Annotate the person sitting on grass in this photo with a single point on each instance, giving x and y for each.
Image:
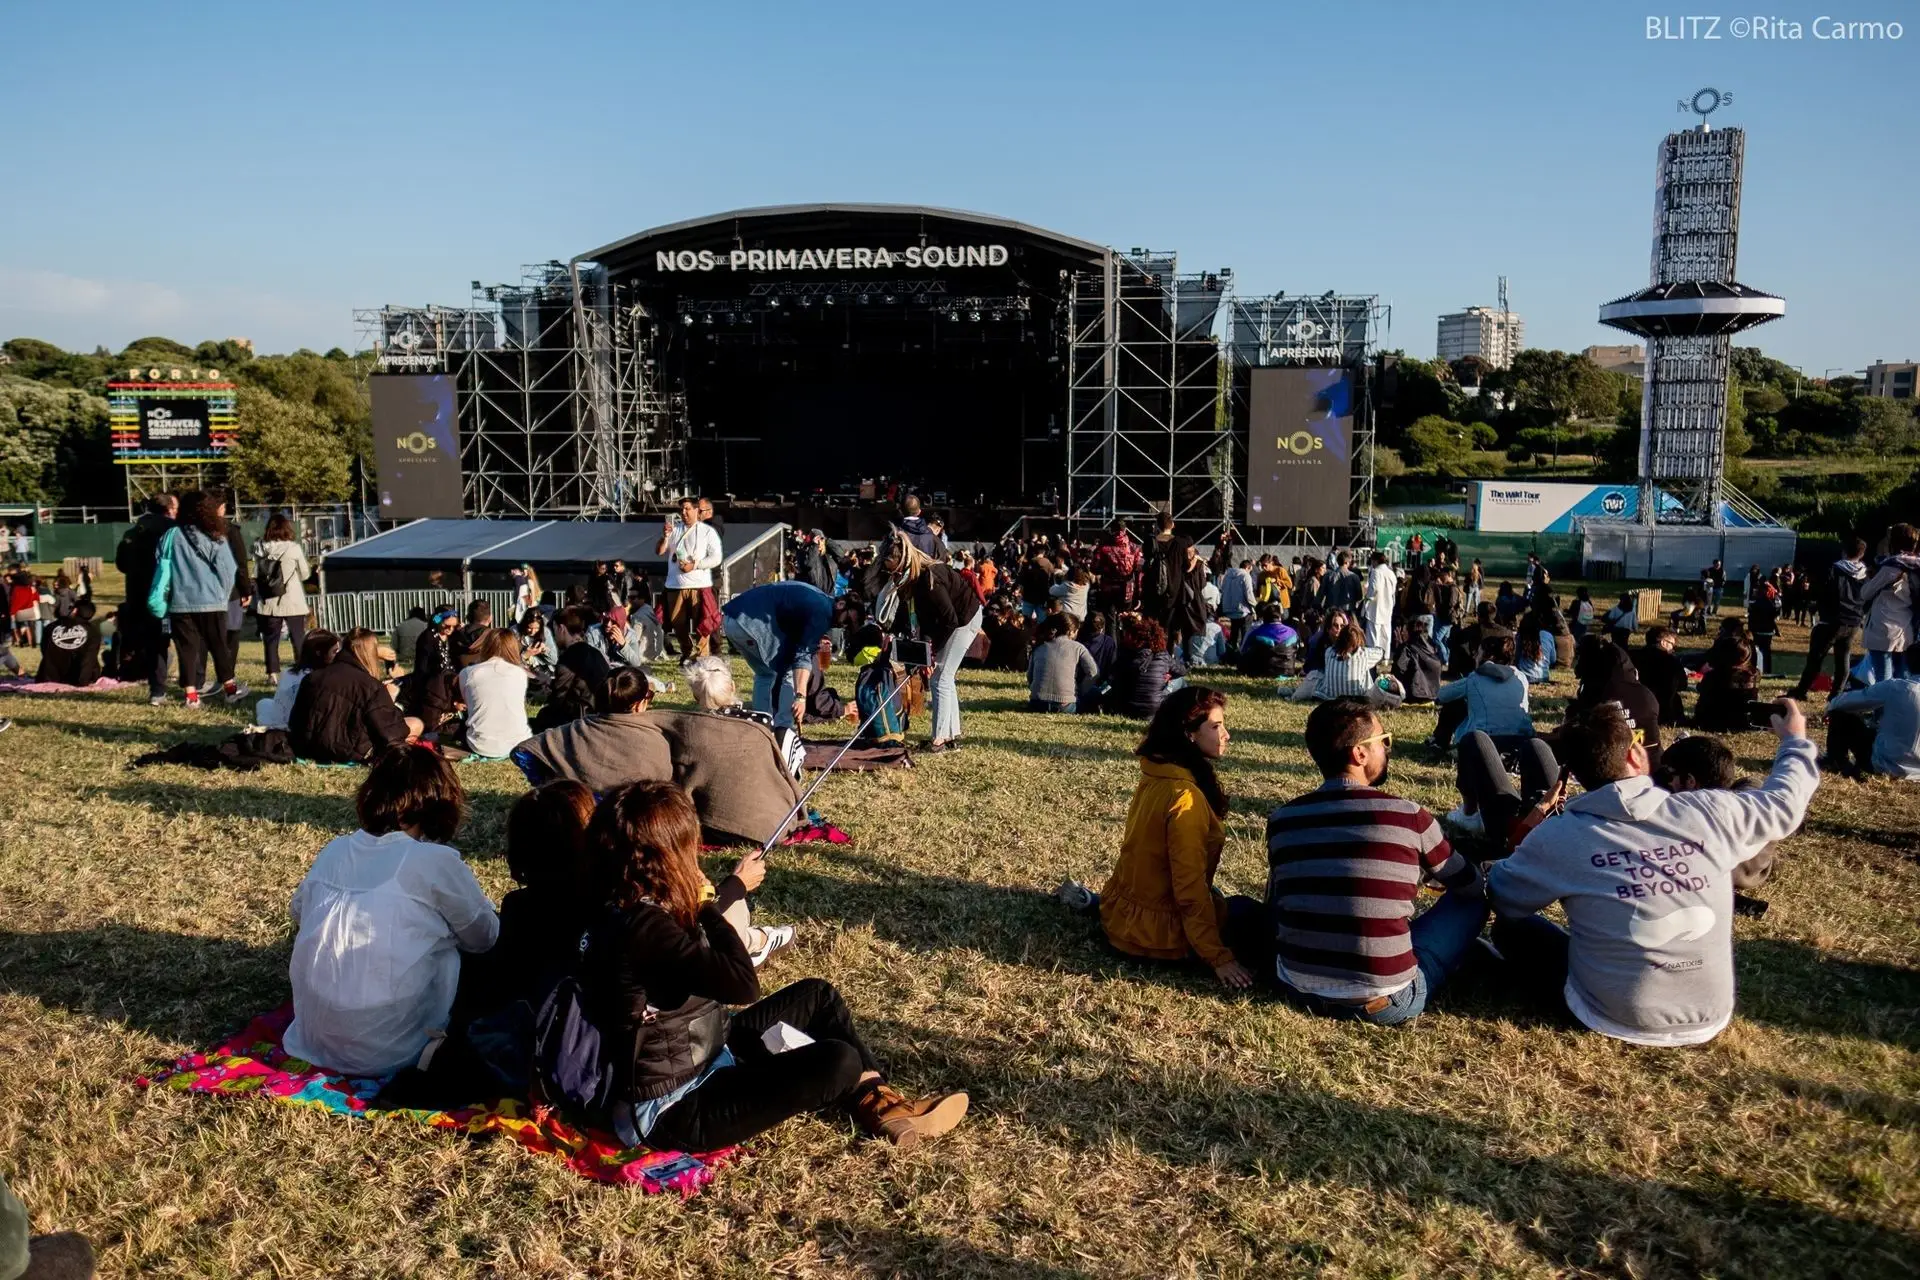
(1160, 903)
(493, 685)
(1702, 762)
(1729, 680)
(1662, 672)
(1145, 671)
(1096, 637)
(1606, 673)
(664, 962)
(344, 713)
(1646, 879)
(381, 919)
(1061, 670)
(1345, 863)
(70, 648)
(1269, 645)
(317, 648)
(1418, 664)
(1492, 699)
(1856, 748)
(580, 670)
(1350, 670)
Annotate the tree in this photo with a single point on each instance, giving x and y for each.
(288, 453)
(1627, 414)
(1885, 426)
(162, 348)
(1387, 465)
(1756, 369)
(1439, 444)
(54, 445)
(1471, 371)
(1596, 392)
(1544, 384)
(1818, 413)
(1422, 388)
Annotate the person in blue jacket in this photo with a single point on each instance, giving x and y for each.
(777, 628)
(193, 577)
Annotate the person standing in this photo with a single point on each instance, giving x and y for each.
(1840, 616)
(240, 595)
(1715, 581)
(1888, 597)
(192, 583)
(693, 552)
(1186, 606)
(949, 615)
(281, 572)
(777, 627)
(142, 634)
(1476, 580)
(1381, 587)
(1236, 602)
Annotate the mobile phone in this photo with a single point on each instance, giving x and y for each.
(661, 1174)
(912, 653)
(1760, 714)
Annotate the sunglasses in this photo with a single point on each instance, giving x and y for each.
(1385, 739)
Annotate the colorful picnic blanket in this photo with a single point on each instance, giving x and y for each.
(253, 1062)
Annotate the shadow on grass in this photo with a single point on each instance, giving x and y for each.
(147, 735)
(176, 986)
(1801, 988)
(1576, 1217)
(898, 1251)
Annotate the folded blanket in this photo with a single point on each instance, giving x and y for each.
(253, 1062)
(23, 684)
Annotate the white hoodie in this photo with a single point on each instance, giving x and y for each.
(1646, 877)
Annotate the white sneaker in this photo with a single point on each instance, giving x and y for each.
(1074, 895)
(236, 693)
(157, 700)
(1466, 823)
(772, 938)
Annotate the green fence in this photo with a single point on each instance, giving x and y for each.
(54, 541)
(1500, 554)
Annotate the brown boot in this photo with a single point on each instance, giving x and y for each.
(884, 1112)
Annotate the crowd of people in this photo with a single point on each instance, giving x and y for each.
(402, 967)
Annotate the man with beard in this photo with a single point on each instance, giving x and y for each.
(1345, 863)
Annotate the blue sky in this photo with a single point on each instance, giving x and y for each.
(261, 170)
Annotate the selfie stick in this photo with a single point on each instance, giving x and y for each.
(801, 803)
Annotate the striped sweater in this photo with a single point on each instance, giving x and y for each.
(1345, 865)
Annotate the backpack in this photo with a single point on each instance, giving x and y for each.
(572, 1067)
(271, 577)
(1163, 579)
(876, 694)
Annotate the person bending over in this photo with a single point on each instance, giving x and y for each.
(777, 627)
(1061, 670)
(343, 712)
(1855, 747)
(664, 963)
(1646, 879)
(1345, 863)
(1160, 903)
(381, 919)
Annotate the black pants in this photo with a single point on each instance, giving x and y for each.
(1452, 716)
(1536, 954)
(763, 1088)
(1849, 742)
(1486, 786)
(143, 649)
(1827, 636)
(196, 635)
(270, 638)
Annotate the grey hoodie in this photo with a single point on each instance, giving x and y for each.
(1646, 877)
(1496, 702)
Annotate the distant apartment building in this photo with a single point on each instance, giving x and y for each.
(1481, 331)
(1630, 359)
(1895, 381)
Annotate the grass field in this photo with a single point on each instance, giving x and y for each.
(1126, 1121)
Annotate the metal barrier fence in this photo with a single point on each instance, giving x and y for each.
(341, 611)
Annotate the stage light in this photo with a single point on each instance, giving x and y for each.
(974, 316)
(828, 300)
(686, 318)
(1327, 296)
(707, 318)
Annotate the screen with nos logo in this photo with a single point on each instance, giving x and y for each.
(416, 445)
(1300, 447)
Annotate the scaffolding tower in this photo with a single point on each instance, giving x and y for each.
(1147, 424)
(557, 391)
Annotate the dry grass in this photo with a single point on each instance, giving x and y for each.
(1126, 1122)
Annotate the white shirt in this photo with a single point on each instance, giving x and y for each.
(275, 712)
(495, 692)
(700, 544)
(381, 921)
(1382, 585)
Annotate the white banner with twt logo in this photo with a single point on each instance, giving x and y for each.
(1501, 506)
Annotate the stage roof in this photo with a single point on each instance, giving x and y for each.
(747, 225)
(502, 544)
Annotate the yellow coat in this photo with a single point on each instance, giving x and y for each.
(1160, 903)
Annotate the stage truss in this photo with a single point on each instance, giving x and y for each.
(560, 404)
(1148, 429)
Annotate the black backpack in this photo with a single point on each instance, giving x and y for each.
(573, 1068)
(271, 577)
(1163, 579)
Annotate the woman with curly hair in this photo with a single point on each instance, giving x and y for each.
(1145, 671)
(664, 964)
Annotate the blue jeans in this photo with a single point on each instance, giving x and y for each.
(1060, 708)
(1441, 936)
(756, 640)
(1888, 665)
(944, 697)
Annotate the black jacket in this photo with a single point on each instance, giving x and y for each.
(137, 556)
(70, 652)
(342, 715)
(661, 991)
(1666, 677)
(1839, 595)
(943, 601)
(1642, 707)
(1140, 681)
(242, 574)
(1419, 666)
(579, 679)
